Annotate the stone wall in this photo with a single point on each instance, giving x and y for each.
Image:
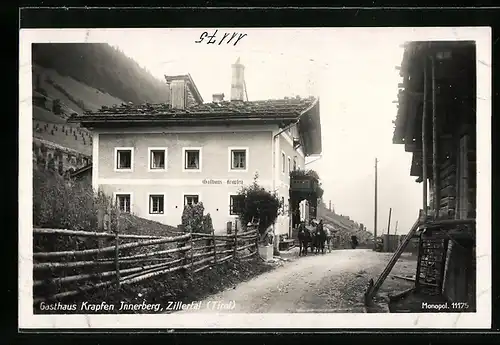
(47, 155)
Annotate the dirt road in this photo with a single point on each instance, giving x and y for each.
(333, 282)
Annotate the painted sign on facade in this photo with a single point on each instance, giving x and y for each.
(221, 182)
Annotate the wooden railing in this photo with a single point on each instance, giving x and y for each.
(102, 259)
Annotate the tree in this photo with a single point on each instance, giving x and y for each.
(192, 215)
(208, 227)
(56, 107)
(258, 203)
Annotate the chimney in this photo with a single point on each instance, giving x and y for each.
(238, 81)
(178, 94)
(217, 97)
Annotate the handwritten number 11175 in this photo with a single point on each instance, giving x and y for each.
(234, 38)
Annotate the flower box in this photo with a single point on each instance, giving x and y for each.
(266, 251)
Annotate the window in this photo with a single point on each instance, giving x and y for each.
(283, 205)
(283, 162)
(238, 159)
(289, 164)
(123, 202)
(294, 163)
(157, 158)
(156, 204)
(191, 199)
(192, 159)
(236, 204)
(124, 157)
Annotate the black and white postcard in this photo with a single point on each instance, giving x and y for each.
(255, 178)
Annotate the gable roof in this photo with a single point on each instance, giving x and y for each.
(283, 112)
(189, 82)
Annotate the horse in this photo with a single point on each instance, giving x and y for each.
(304, 239)
(320, 238)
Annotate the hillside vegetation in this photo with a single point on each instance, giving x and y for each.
(75, 96)
(74, 78)
(346, 226)
(102, 67)
(71, 137)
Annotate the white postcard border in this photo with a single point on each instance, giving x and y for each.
(480, 319)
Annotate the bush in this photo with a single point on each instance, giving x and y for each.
(64, 204)
(193, 215)
(258, 203)
(208, 227)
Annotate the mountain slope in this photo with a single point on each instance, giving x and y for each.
(345, 226)
(76, 96)
(73, 78)
(102, 67)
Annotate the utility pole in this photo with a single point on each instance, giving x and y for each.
(424, 140)
(375, 216)
(396, 230)
(389, 223)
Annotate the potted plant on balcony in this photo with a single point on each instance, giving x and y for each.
(260, 207)
(305, 180)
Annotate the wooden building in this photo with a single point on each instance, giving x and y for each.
(83, 175)
(436, 122)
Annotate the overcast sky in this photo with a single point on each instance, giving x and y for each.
(351, 70)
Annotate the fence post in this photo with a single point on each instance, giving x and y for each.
(192, 242)
(235, 240)
(257, 241)
(184, 254)
(117, 243)
(101, 227)
(215, 247)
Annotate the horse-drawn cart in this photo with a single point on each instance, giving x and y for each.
(314, 236)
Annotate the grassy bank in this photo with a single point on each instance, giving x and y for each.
(177, 287)
(61, 204)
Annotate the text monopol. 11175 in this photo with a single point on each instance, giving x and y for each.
(446, 306)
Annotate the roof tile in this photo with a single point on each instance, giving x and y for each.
(272, 107)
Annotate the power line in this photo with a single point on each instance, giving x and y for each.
(375, 209)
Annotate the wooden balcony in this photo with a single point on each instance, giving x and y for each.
(305, 184)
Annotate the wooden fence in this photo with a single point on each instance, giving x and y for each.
(102, 259)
